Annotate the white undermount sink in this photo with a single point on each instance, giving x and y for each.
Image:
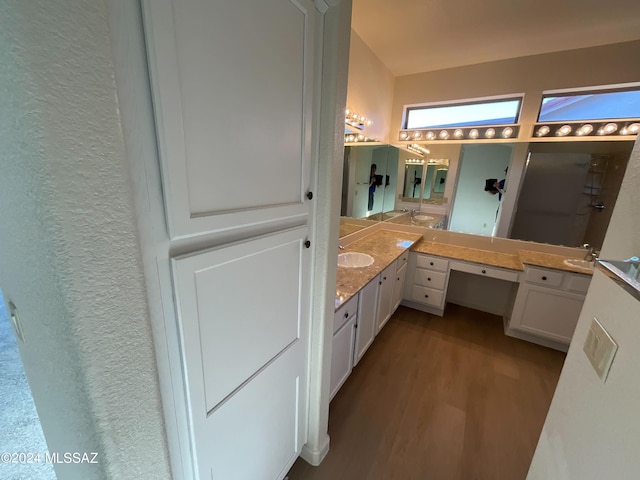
(354, 260)
(423, 218)
(579, 263)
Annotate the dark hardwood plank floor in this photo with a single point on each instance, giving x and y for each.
(439, 399)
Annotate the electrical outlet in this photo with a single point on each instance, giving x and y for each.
(600, 349)
(15, 321)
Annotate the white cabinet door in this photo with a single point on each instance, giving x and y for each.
(233, 88)
(385, 302)
(342, 356)
(546, 312)
(366, 324)
(245, 344)
(398, 287)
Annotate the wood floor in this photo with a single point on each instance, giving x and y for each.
(439, 399)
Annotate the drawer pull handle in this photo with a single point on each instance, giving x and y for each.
(431, 263)
(429, 279)
(398, 278)
(484, 271)
(426, 296)
(380, 283)
(346, 315)
(544, 278)
(384, 278)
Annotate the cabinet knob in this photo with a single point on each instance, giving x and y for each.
(384, 278)
(380, 282)
(484, 271)
(398, 278)
(431, 263)
(426, 296)
(346, 315)
(428, 279)
(307, 244)
(544, 278)
(309, 195)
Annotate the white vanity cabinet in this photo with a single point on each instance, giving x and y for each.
(427, 287)
(548, 305)
(367, 316)
(344, 333)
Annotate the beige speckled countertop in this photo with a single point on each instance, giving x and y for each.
(497, 259)
(384, 246)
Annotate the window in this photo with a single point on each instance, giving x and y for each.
(469, 113)
(582, 106)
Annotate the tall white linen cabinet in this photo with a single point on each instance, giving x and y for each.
(234, 85)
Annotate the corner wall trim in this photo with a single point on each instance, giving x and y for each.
(314, 456)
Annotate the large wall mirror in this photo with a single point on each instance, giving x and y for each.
(565, 196)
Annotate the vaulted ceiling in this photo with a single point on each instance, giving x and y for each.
(411, 36)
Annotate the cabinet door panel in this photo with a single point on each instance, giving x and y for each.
(342, 356)
(367, 311)
(547, 313)
(398, 287)
(385, 300)
(235, 327)
(232, 97)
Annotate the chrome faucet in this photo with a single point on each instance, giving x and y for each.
(592, 254)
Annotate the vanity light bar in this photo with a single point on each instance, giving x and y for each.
(419, 161)
(356, 120)
(460, 133)
(587, 129)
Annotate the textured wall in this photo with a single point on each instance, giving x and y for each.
(592, 430)
(70, 257)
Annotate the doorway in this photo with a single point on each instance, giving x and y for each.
(19, 422)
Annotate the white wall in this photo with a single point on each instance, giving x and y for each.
(69, 252)
(592, 430)
(474, 210)
(370, 88)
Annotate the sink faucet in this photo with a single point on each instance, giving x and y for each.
(592, 254)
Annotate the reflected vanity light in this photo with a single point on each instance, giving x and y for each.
(420, 150)
(490, 133)
(357, 138)
(414, 161)
(590, 129)
(356, 120)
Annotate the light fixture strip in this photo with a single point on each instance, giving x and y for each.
(461, 133)
(356, 120)
(587, 129)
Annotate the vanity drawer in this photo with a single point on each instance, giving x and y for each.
(427, 296)
(483, 270)
(429, 278)
(578, 283)
(542, 276)
(345, 312)
(432, 263)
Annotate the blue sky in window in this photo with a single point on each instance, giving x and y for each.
(494, 113)
(596, 106)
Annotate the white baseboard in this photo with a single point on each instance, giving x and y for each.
(314, 456)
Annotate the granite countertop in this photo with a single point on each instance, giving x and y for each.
(384, 246)
(497, 259)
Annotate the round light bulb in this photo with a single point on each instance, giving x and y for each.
(564, 130)
(458, 133)
(444, 134)
(633, 128)
(507, 132)
(417, 135)
(431, 135)
(473, 133)
(404, 135)
(490, 133)
(542, 131)
(585, 129)
(609, 128)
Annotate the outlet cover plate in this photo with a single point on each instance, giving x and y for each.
(600, 349)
